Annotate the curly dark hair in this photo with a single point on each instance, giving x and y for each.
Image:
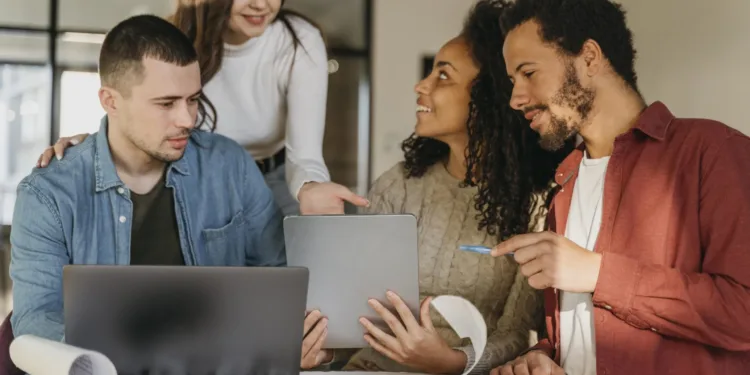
(568, 24)
(421, 153)
(504, 159)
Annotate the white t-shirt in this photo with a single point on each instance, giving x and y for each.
(266, 103)
(584, 220)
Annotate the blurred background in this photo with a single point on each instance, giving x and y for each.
(692, 55)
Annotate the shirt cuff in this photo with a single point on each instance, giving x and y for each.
(296, 186)
(296, 192)
(618, 280)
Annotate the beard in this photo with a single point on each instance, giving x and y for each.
(155, 153)
(165, 157)
(571, 95)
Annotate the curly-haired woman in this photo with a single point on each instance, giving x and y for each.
(465, 195)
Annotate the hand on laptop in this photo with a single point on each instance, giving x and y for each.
(415, 345)
(316, 330)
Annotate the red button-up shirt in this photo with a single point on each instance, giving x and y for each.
(673, 295)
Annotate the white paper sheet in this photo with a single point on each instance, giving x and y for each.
(38, 356)
(466, 320)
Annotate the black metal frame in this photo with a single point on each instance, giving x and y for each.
(54, 133)
(369, 10)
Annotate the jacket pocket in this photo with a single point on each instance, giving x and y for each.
(225, 246)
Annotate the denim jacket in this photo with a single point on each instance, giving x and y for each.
(78, 211)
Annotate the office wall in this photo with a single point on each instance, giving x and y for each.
(693, 55)
(403, 32)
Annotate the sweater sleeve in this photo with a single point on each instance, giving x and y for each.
(511, 337)
(306, 98)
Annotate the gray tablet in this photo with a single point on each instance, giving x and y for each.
(188, 320)
(352, 258)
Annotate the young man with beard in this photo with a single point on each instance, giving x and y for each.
(645, 266)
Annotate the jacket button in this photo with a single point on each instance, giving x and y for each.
(123, 219)
(120, 191)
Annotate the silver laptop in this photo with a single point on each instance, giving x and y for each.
(188, 320)
(352, 258)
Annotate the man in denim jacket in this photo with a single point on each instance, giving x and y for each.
(148, 188)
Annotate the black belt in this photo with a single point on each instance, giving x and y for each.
(271, 163)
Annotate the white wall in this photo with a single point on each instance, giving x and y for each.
(404, 31)
(694, 56)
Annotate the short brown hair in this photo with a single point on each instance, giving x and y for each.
(139, 37)
(132, 40)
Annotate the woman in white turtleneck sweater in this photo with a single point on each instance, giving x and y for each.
(271, 99)
(265, 70)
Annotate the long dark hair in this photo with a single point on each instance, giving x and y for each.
(204, 22)
(512, 173)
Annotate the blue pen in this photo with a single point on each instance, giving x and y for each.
(478, 249)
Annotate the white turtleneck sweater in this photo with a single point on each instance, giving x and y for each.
(267, 98)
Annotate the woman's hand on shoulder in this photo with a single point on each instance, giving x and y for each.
(58, 149)
(327, 198)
